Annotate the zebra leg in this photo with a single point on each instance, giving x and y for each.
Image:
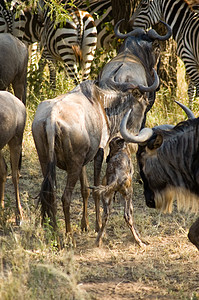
(89, 44)
(52, 71)
(191, 94)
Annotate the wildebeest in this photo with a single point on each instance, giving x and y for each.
(13, 65)
(118, 178)
(72, 130)
(137, 57)
(169, 167)
(13, 118)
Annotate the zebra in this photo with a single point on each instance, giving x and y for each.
(185, 26)
(5, 18)
(74, 43)
(24, 25)
(71, 44)
(101, 10)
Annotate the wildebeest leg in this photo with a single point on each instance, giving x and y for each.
(128, 215)
(97, 170)
(20, 91)
(193, 234)
(72, 178)
(15, 156)
(3, 175)
(85, 194)
(106, 213)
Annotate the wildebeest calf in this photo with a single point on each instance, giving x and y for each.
(118, 178)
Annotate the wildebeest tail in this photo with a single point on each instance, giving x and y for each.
(47, 193)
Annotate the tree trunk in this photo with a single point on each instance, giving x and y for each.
(123, 9)
(168, 68)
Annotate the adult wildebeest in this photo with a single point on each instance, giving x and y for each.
(169, 167)
(118, 178)
(73, 129)
(13, 65)
(13, 118)
(136, 58)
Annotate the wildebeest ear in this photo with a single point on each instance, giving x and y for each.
(155, 142)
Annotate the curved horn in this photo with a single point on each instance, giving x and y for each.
(121, 86)
(188, 112)
(134, 32)
(143, 136)
(153, 87)
(154, 35)
(125, 86)
(164, 127)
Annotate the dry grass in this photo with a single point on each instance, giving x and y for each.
(31, 266)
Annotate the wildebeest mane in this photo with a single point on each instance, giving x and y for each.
(114, 101)
(86, 88)
(141, 48)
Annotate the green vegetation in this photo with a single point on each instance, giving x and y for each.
(32, 266)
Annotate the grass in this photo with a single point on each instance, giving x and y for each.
(32, 267)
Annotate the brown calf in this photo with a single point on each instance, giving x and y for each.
(118, 178)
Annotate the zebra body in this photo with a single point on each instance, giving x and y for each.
(74, 44)
(54, 40)
(185, 26)
(102, 14)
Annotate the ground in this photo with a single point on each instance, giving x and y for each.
(167, 268)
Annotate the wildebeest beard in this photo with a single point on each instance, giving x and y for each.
(172, 173)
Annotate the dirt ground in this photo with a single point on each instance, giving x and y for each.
(167, 268)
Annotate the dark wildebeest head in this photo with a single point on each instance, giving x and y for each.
(169, 165)
(135, 63)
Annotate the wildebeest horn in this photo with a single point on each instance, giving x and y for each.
(143, 136)
(154, 35)
(125, 86)
(151, 88)
(135, 32)
(189, 113)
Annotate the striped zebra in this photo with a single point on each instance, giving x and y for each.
(5, 18)
(23, 24)
(185, 26)
(101, 10)
(73, 43)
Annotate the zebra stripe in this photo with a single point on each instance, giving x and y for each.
(185, 26)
